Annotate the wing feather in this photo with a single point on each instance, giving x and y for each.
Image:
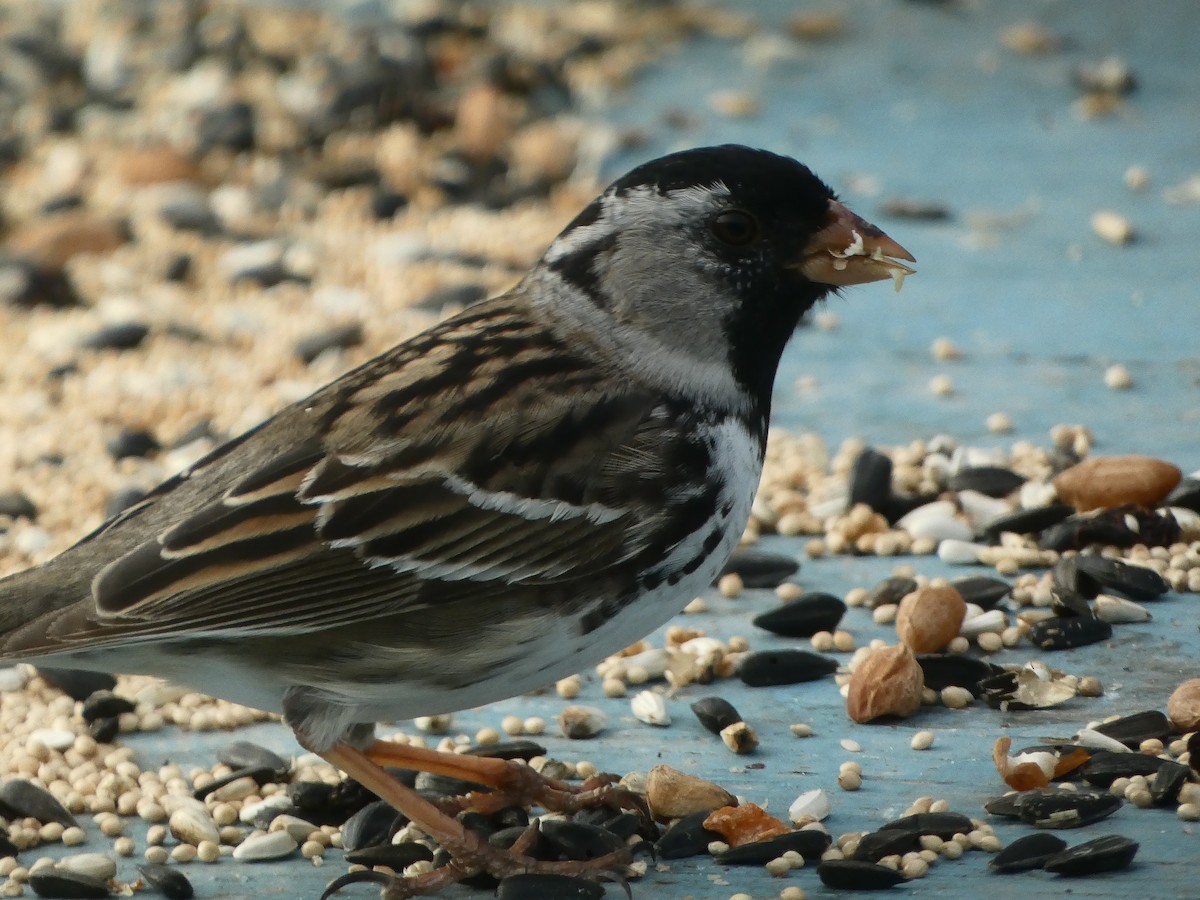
(547, 474)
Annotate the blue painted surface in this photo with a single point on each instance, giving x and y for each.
(1040, 308)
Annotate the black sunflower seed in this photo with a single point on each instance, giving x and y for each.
(374, 824)
(16, 505)
(104, 731)
(1068, 809)
(525, 750)
(575, 840)
(1104, 854)
(994, 481)
(773, 667)
(1121, 526)
(943, 824)
(804, 616)
(853, 874)
(447, 785)
(540, 848)
(1028, 521)
(943, 670)
(716, 713)
(1106, 766)
(1185, 494)
(167, 880)
(395, 856)
(122, 336)
(1170, 777)
(1027, 853)
(623, 823)
(66, 885)
(248, 755)
(261, 776)
(890, 590)
(1132, 581)
(105, 705)
(1065, 632)
(1008, 805)
(1133, 729)
(981, 590)
(77, 683)
(687, 837)
(871, 480)
(7, 847)
(548, 887)
(809, 843)
(875, 845)
(760, 570)
(20, 797)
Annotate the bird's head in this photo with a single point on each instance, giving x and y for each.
(714, 254)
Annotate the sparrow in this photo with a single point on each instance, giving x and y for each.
(494, 504)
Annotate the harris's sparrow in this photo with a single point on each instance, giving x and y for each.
(496, 503)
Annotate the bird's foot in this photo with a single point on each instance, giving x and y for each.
(473, 856)
(514, 783)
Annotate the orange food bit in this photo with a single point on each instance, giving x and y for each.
(744, 824)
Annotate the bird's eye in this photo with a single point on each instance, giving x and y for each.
(735, 228)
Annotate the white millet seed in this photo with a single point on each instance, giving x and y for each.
(73, 836)
(512, 725)
(534, 725)
(941, 386)
(730, 585)
(208, 852)
(157, 854)
(955, 697)
(568, 688)
(922, 740)
(822, 641)
(778, 867)
(802, 729)
(943, 350)
(788, 591)
(1112, 226)
(990, 642)
(999, 423)
(850, 745)
(849, 781)
(124, 846)
(1117, 378)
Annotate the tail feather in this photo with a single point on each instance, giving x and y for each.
(29, 602)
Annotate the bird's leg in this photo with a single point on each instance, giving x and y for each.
(469, 853)
(515, 783)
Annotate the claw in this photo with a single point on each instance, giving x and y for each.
(369, 875)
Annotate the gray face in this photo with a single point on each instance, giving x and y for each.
(653, 271)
